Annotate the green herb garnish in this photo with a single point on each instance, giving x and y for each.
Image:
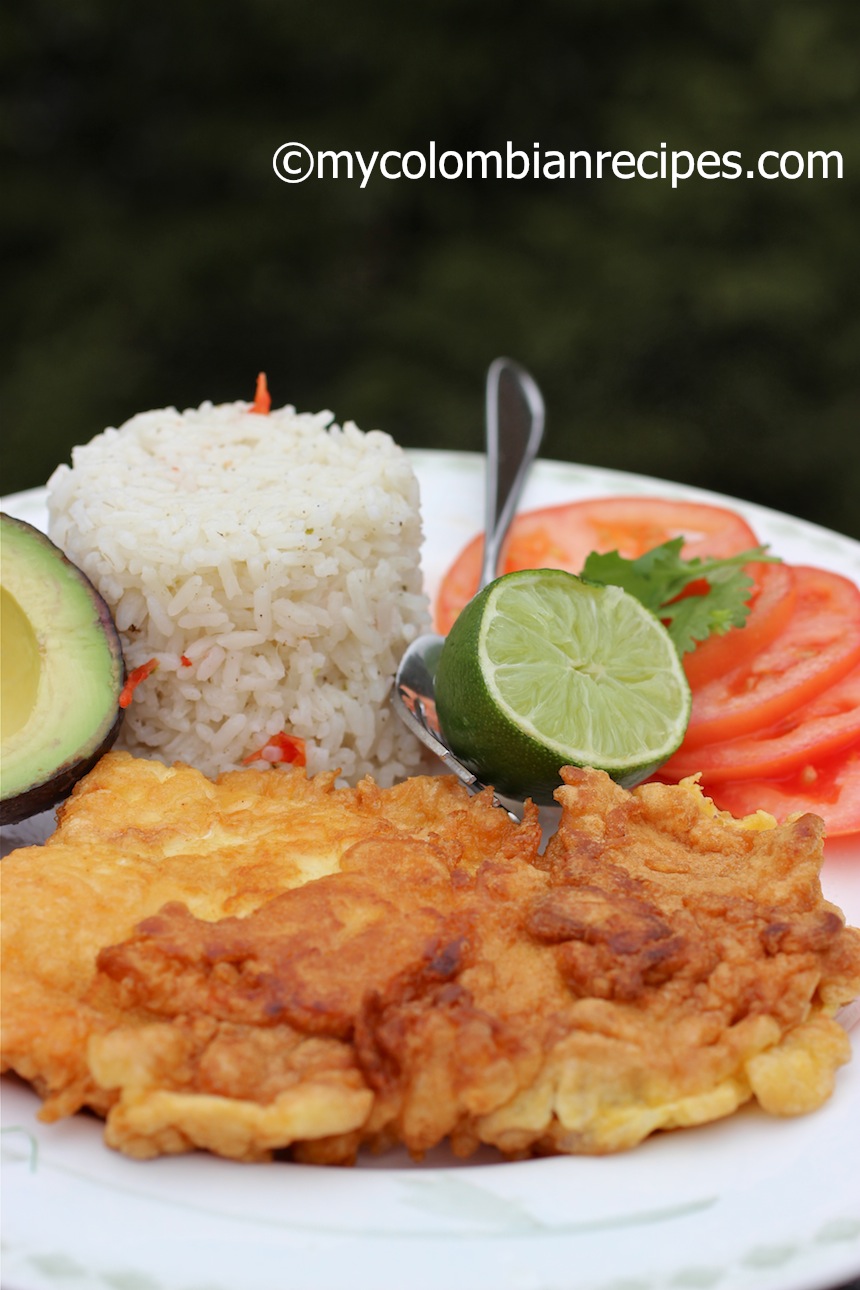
(694, 598)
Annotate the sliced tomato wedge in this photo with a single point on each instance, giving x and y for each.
(819, 645)
(771, 602)
(809, 733)
(562, 537)
(829, 788)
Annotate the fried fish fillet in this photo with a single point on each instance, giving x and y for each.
(270, 963)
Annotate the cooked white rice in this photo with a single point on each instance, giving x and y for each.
(271, 564)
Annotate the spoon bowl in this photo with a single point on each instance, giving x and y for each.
(514, 430)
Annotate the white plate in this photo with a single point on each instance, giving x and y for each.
(749, 1203)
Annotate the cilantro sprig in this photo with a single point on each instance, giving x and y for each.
(694, 598)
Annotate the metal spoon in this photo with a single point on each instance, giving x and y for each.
(514, 429)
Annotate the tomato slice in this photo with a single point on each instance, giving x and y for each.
(819, 645)
(562, 537)
(771, 602)
(809, 733)
(829, 788)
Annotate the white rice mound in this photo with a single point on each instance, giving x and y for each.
(271, 564)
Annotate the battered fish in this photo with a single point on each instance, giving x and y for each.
(270, 963)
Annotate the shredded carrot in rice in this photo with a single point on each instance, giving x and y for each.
(262, 397)
(280, 748)
(133, 680)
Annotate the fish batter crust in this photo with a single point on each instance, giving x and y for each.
(268, 963)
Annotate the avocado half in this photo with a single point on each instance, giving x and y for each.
(61, 673)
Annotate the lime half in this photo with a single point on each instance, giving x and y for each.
(543, 670)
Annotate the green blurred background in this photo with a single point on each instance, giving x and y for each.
(708, 334)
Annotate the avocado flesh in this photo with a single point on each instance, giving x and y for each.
(61, 673)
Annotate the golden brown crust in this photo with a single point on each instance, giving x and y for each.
(270, 963)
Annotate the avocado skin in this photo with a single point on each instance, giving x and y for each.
(54, 786)
(50, 792)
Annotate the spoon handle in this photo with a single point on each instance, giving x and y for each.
(514, 429)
